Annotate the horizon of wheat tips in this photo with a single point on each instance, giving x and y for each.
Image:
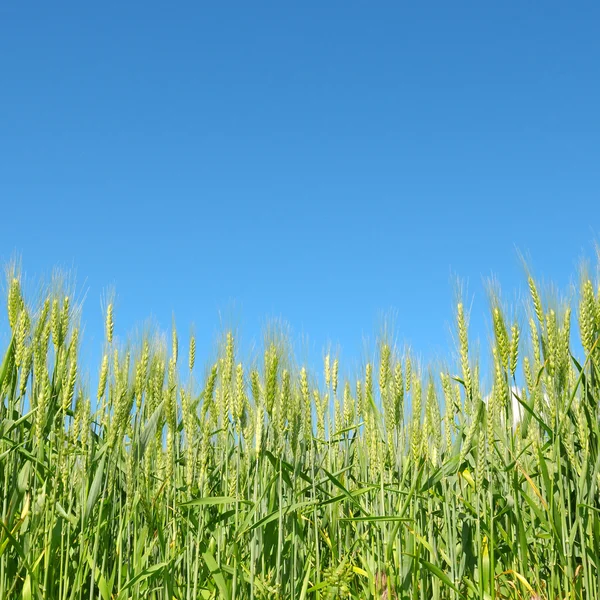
(261, 477)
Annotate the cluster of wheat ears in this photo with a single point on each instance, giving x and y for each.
(267, 480)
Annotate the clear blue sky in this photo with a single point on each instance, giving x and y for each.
(322, 162)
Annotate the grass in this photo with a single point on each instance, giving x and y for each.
(257, 481)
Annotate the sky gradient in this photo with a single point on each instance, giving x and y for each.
(325, 163)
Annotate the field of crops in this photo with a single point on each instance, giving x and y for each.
(261, 478)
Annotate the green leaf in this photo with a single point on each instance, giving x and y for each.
(95, 489)
(434, 570)
(217, 574)
(145, 574)
(27, 588)
(376, 518)
(339, 485)
(19, 550)
(213, 501)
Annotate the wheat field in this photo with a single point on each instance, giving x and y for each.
(264, 478)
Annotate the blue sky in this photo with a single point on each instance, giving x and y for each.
(320, 162)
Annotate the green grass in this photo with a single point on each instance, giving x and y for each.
(265, 480)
